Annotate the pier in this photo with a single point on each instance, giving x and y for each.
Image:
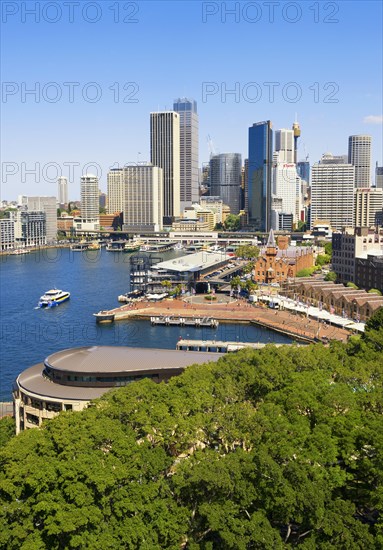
(216, 346)
(185, 321)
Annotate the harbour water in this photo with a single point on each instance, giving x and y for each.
(94, 279)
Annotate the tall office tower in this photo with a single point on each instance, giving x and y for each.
(379, 176)
(115, 190)
(359, 155)
(90, 210)
(165, 153)
(287, 187)
(62, 188)
(143, 198)
(245, 205)
(260, 174)
(284, 143)
(368, 202)
(189, 179)
(49, 206)
(303, 169)
(332, 193)
(225, 179)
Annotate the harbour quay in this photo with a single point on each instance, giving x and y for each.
(217, 346)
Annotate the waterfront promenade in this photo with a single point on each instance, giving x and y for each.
(236, 311)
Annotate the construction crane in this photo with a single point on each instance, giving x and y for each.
(211, 147)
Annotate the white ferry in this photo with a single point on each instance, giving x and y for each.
(53, 298)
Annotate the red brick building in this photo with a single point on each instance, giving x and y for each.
(275, 265)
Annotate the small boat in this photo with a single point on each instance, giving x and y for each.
(53, 298)
(133, 246)
(104, 317)
(20, 251)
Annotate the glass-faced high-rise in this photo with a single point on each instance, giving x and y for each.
(165, 153)
(189, 170)
(260, 174)
(225, 179)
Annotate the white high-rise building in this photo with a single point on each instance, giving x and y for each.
(189, 179)
(143, 198)
(332, 193)
(284, 144)
(47, 205)
(62, 191)
(165, 153)
(359, 155)
(115, 186)
(90, 209)
(368, 202)
(287, 186)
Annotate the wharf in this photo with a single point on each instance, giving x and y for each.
(184, 321)
(218, 346)
(236, 311)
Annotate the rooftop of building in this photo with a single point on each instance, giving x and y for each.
(194, 262)
(105, 360)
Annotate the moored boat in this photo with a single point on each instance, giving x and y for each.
(53, 298)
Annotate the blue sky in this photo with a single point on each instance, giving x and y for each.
(325, 59)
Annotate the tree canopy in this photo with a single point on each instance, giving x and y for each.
(268, 449)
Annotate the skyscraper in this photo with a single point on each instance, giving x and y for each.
(284, 143)
(379, 176)
(143, 198)
(115, 187)
(259, 174)
(359, 155)
(303, 169)
(332, 193)
(189, 170)
(62, 184)
(225, 179)
(90, 210)
(165, 153)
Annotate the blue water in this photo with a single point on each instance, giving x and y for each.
(94, 279)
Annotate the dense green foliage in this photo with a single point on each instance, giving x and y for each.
(352, 285)
(248, 252)
(306, 272)
(265, 450)
(7, 430)
(330, 276)
(322, 259)
(232, 222)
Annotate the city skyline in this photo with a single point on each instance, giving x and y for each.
(231, 93)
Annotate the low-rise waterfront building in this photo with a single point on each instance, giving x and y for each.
(7, 232)
(68, 380)
(30, 228)
(355, 304)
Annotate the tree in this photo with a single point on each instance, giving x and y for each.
(7, 430)
(232, 223)
(274, 448)
(322, 259)
(331, 276)
(352, 285)
(248, 252)
(306, 272)
(302, 226)
(375, 291)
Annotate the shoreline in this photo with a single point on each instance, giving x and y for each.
(291, 325)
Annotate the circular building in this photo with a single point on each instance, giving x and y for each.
(70, 379)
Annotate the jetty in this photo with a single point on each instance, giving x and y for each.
(184, 321)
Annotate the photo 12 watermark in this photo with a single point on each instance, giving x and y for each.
(69, 92)
(70, 12)
(270, 92)
(270, 12)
